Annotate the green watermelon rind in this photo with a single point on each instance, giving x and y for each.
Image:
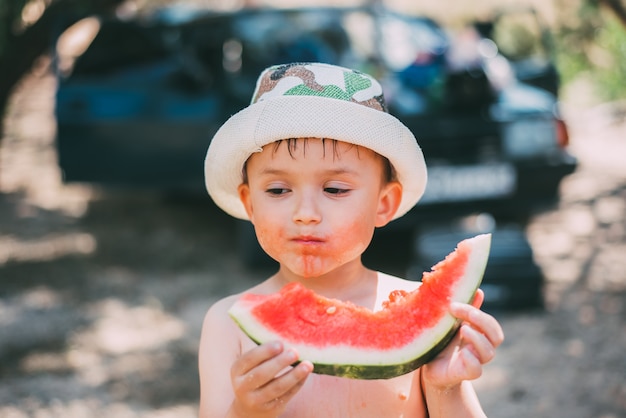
(370, 365)
(380, 371)
(386, 371)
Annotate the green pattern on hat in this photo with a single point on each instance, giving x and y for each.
(354, 82)
(319, 80)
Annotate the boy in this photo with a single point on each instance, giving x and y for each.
(316, 164)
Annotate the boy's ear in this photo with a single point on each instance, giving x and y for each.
(388, 203)
(244, 196)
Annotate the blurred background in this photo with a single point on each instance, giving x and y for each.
(111, 253)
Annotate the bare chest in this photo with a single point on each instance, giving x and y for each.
(327, 396)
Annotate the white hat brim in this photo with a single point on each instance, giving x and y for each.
(286, 117)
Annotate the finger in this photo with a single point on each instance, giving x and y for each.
(479, 298)
(256, 356)
(284, 387)
(478, 343)
(268, 370)
(471, 366)
(480, 321)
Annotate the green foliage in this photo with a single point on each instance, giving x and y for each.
(519, 36)
(610, 78)
(594, 44)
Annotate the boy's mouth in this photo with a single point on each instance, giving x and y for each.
(307, 239)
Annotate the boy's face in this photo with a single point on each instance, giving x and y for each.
(315, 207)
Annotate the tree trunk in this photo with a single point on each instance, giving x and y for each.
(23, 49)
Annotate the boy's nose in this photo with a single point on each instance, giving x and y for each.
(307, 210)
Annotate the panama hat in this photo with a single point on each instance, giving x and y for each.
(312, 100)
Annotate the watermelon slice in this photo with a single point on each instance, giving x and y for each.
(343, 339)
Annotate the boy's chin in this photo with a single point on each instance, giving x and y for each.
(306, 267)
(312, 267)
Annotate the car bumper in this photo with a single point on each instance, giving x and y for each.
(505, 190)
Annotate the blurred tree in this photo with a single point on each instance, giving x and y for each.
(591, 39)
(27, 31)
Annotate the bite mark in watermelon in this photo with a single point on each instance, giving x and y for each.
(343, 339)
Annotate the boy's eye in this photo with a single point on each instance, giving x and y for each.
(277, 191)
(335, 190)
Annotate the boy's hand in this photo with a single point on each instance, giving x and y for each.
(264, 381)
(474, 345)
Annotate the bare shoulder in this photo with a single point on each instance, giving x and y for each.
(220, 308)
(218, 325)
(218, 312)
(216, 318)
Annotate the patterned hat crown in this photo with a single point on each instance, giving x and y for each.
(321, 80)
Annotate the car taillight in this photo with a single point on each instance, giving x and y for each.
(562, 134)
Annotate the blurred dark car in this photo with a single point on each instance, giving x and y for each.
(139, 106)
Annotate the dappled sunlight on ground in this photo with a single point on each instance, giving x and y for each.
(101, 298)
(45, 248)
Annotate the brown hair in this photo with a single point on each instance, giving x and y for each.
(389, 173)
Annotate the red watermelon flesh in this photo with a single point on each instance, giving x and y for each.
(343, 339)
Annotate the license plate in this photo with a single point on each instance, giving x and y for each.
(463, 183)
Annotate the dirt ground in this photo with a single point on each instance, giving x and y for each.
(102, 294)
